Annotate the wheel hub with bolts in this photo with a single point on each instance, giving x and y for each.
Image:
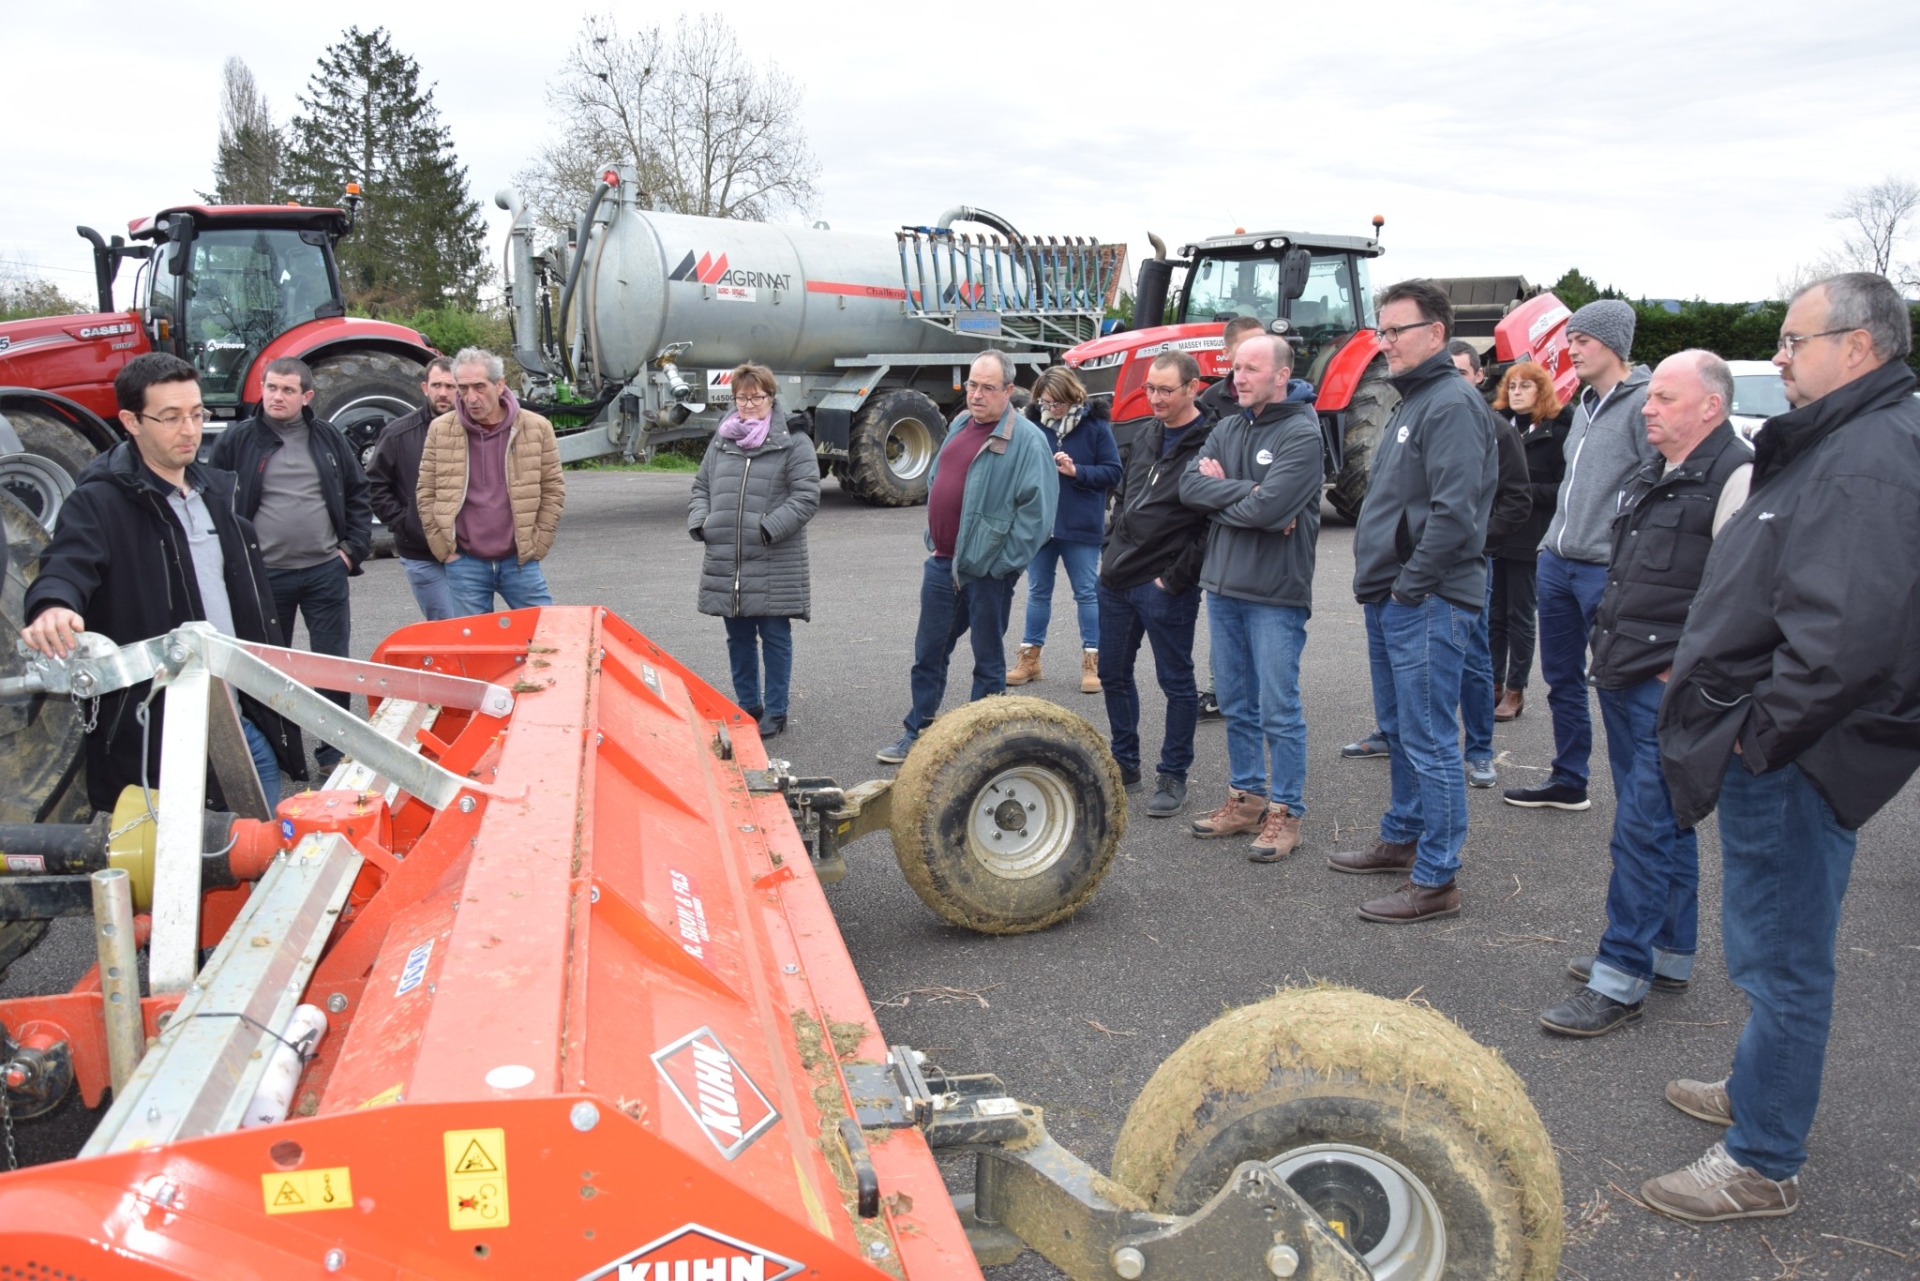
(1378, 1206)
(909, 449)
(1022, 822)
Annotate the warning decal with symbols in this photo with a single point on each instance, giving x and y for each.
(476, 1179)
(298, 1191)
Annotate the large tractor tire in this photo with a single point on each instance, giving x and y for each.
(361, 393)
(42, 475)
(42, 762)
(1414, 1142)
(891, 451)
(1007, 814)
(1374, 401)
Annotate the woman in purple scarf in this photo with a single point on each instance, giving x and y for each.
(758, 487)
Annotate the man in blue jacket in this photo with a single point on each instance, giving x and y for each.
(991, 500)
(1420, 570)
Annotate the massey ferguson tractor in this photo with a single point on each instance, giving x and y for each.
(228, 288)
(1315, 291)
(635, 326)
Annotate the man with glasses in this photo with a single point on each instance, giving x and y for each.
(1420, 571)
(1150, 580)
(490, 491)
(1607, 445)
(149, 540)
(1794, 707)
(302, 487)
(991, 499)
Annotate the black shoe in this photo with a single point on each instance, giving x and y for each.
(1210, 706)
(327, 757)
(1581, 967)
(1169, 798)
(772, 726)
(1549, 795)
(1590, 1013)
(1371, 748)
(1129, 777)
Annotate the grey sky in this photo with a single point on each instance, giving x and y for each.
(1671, 150)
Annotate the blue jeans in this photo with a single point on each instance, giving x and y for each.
(947, 614)
(1166, 619)
(1417, 653)
(473, 583)
(1476, 684)
(1785, 864)
(317, 594)
(1256, 666)
(746, 638)
(1083, 571)
(1653, 907)
(427, 579)
(1569, 594)
(265, 763)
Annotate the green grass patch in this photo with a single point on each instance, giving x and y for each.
(662, 462)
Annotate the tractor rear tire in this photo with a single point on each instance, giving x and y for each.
(1007, 813)
(362, 392)
(28, 478)
(1414, 1142)
(1374, 401)
(891, 451)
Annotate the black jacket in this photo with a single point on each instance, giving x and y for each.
(1218, 401)
(1660, 543)
(1804, 641)
(1423, 526)
(1545, 444)
(244, 449)
(1265, 512)
(1152, 534)
(119, 559)
(394, 478)
(1512, 494)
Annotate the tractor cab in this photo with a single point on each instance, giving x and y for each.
(221, 283)
(1315, 290)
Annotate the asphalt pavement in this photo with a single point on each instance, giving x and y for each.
(1076, 1018)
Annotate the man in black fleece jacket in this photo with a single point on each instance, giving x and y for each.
(1420, 570)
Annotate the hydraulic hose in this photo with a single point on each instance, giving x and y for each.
(966, 213)
(573, 268)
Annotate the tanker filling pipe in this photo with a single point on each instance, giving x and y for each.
(573, 268)
(590, 314)
(966, 213)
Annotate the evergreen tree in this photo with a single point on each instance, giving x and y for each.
(420, 240)
(247, 166)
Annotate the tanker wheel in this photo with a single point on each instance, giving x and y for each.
(892, 448)
(1374, 401)
(1007, 814)
(362, 392)
(42, 774)
(1414, 1142)
(42, 475)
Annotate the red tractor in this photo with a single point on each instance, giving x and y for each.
(225, 287)
(1314, 290)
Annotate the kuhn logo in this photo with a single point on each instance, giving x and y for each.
(728, 1107)
(694, 1253)
(708, 270)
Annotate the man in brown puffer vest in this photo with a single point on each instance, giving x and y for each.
(491, 491)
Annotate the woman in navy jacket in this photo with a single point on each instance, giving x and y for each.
(1089, 464)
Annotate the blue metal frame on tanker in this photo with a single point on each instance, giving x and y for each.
(655, 310)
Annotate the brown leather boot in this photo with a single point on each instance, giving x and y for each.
(1279, 836)
(1509, 705)
(1243, 812)
(1028, 668)
(1090, 671)
(1385, 856)
(1410, 902)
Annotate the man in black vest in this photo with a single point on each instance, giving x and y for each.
(1669, 513)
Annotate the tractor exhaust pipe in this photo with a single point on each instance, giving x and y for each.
(1150, 291)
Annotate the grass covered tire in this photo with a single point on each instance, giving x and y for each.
(1374, 401)
(1007, 814)
(1383, 1115)
(891, 450)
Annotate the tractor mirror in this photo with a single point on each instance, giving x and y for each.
(1293, 272)
(180, 231)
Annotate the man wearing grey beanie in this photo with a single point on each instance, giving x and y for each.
(1607, 445)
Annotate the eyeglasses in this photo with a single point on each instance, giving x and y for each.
(1789, 341)
(1163, 391)
(752, 398)
(1391, 333)
(1049, 403)
(172, 422)
(987, 388)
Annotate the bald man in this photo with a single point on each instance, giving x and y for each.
(1670, 511)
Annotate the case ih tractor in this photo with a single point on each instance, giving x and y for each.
(1316, 291)
(227, 288)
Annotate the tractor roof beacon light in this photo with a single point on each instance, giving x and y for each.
(1378, 223)
(352, 203)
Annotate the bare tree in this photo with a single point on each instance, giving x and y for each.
(1878, 219)
(247, 168)
(708, 131)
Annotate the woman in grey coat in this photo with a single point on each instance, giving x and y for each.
(758, 487)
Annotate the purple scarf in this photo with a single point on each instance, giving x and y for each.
(748, 433)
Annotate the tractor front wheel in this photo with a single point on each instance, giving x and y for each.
(361, 393)
(42, 475)
(1374, 401)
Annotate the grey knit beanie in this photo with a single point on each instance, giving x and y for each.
(1608, 320)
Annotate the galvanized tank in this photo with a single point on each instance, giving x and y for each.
(792, 298)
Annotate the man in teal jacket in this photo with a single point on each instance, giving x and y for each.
(990, 504)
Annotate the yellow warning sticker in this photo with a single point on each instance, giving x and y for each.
(476, 1179)
(389, 1095)
(298, 1191)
